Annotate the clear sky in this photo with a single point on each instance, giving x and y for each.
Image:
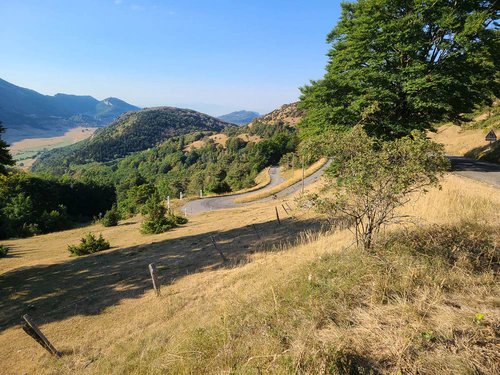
(215, 56)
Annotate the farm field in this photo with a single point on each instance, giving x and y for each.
(26, 151)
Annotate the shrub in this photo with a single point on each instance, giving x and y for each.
(111, 217)
(54, 220)
(3, 250)
(88, 245)
(156, 221)
(370, 179)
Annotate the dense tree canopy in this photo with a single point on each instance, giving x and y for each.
(398, 65)
(5, 157)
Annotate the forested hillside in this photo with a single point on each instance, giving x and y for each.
(138, 155)
(131, 132)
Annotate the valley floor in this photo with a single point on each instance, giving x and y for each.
(264, 311)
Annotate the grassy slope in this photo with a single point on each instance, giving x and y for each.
(300, 302)
(470, 140)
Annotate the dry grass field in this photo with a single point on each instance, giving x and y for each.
(221, 139)
(25, 151)
(458, 141)
(297, 299)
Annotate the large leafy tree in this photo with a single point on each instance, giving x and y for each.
(5, 157)
(399, 65)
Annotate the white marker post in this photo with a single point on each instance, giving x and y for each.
(303, 172)
(180, 195)
(201, 193)
(168, 202)
(185, 212)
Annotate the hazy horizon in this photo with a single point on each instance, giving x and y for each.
(217, 58)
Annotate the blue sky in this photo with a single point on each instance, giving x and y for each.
(215, 56)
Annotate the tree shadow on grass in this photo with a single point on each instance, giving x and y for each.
(89, 284)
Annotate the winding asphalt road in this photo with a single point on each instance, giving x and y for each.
(477, 170)
(218, 203)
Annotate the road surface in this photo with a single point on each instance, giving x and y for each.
(477, 170)
(218, 203)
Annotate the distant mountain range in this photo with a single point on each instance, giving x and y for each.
(28, 114)
(240, 117)
(131, 132)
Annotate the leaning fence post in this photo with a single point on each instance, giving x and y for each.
(284, 209)
(154, 278)
(277, 215)
(31, 329)
(217, 248)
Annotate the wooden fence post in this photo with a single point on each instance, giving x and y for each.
(31, 329)
(217, 248)
(154, 278)
(284, 209)
(277, 215)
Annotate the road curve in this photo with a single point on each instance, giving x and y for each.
(218, 203)
(477, 170)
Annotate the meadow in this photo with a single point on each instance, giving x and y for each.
(293, 298)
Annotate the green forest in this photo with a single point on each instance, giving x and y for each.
(67, 187)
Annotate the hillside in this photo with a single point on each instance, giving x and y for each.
(287, 114)
(28, 114)
(293, 299)
(131, 132)
(240, 117)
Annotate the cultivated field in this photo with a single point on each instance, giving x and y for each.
(26, 151)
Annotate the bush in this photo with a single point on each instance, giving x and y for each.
(111, 217)
(3, 250)
(54, 220)
(88, 245)
(156, 221)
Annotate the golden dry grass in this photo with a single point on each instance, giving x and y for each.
(75, 135)
(297, 177)
(458, 141)
(221, 139)
(270, 310)
(29, 144)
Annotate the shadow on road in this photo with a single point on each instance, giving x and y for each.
(460, 164)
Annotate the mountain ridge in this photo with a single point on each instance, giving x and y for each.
(26, 113)
(242, 117)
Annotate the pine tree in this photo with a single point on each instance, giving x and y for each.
(5, 157)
